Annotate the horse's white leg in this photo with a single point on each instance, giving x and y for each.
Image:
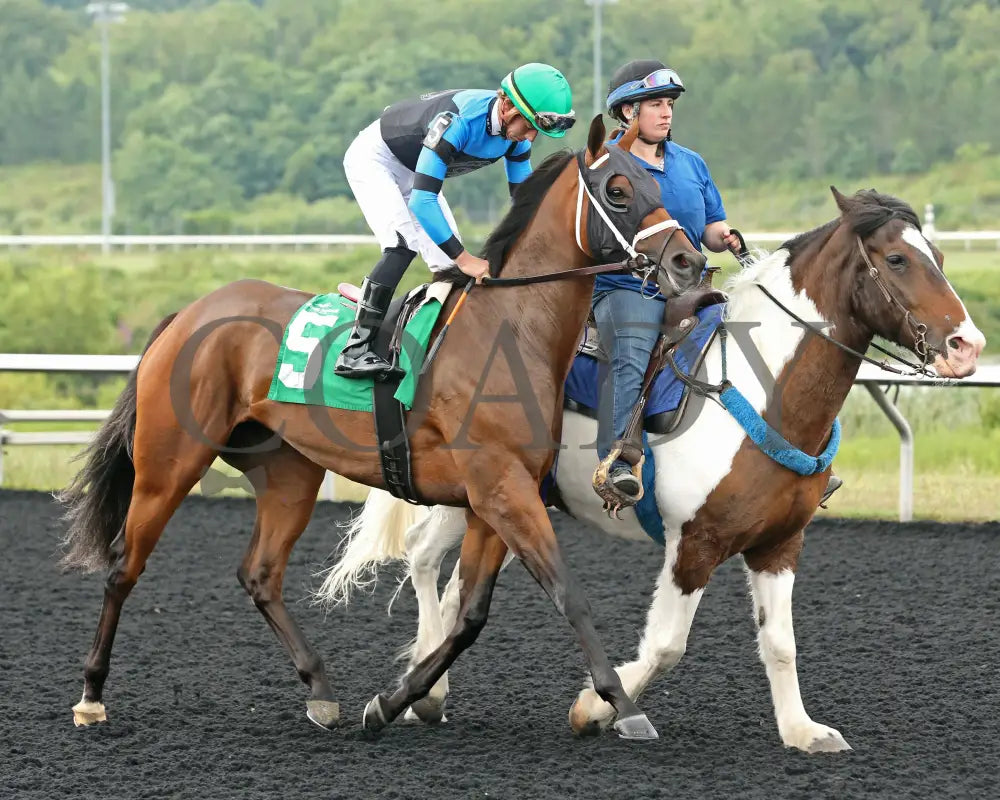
(430, 637)
(664, 641)
(427, 543)
(772, 604)
(450, 599)
(452, 594)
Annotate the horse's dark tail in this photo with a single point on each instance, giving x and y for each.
(98, 498)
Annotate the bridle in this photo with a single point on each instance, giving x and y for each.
(917, 328)
(705, 389)
(668, 224)
(637, 263)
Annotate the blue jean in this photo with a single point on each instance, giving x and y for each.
(628, 325)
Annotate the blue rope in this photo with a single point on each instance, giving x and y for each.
(773, 443)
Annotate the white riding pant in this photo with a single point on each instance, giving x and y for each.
(382, 186)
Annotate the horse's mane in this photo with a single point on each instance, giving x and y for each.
(756, 271)
(867, 211)
(527, 198)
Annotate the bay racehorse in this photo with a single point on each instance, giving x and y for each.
(870, 271)
(201, 388)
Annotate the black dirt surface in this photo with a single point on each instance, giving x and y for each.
(898, 646)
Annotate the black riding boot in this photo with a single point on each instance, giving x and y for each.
(357, 359)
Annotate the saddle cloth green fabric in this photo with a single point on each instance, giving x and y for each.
(314, 338)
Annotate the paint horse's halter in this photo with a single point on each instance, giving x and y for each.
(768, 439)
(917, 328)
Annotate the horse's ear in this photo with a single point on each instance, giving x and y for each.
(628, 138)
(842, 202)
(595, 139)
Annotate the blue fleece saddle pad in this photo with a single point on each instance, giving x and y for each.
(587, 375)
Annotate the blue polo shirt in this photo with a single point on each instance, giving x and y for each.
(689, 196)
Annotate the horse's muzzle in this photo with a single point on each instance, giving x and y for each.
(961, 355)
(685, 270)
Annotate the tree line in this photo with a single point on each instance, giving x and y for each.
(218, 103)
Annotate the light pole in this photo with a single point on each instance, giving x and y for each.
(598, 94)
(104, 14)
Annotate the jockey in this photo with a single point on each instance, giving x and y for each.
(397, 165)
(628, 317)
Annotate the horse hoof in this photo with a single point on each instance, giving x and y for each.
(429, 710)
(87, 712)
(374, 718)
(589, 714)
(324, 713)
(636, 727)
(812, 737)
(829, 744)
(581, 722)
(832, 742)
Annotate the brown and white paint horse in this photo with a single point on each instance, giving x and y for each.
(719, 495)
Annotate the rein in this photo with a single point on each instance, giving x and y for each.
(639, 263)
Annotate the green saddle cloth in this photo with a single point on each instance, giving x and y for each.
(312, 341)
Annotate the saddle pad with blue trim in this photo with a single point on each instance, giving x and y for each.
(586, 376)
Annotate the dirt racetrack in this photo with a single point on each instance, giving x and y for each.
(898, 642)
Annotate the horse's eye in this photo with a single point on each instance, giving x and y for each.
(896, 261)
(616, 193)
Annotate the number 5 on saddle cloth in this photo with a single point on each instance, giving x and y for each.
(315, 336)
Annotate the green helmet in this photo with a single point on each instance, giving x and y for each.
(543, 97)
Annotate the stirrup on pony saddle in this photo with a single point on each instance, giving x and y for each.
(832, 485)
(614, 498)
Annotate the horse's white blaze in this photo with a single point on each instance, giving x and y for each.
(970, 333)
(965, 328)
(916, 239)
(691, 465)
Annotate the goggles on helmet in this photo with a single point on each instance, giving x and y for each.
(660, 79)
(550, 121)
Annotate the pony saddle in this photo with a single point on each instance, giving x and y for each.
(668, 397)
